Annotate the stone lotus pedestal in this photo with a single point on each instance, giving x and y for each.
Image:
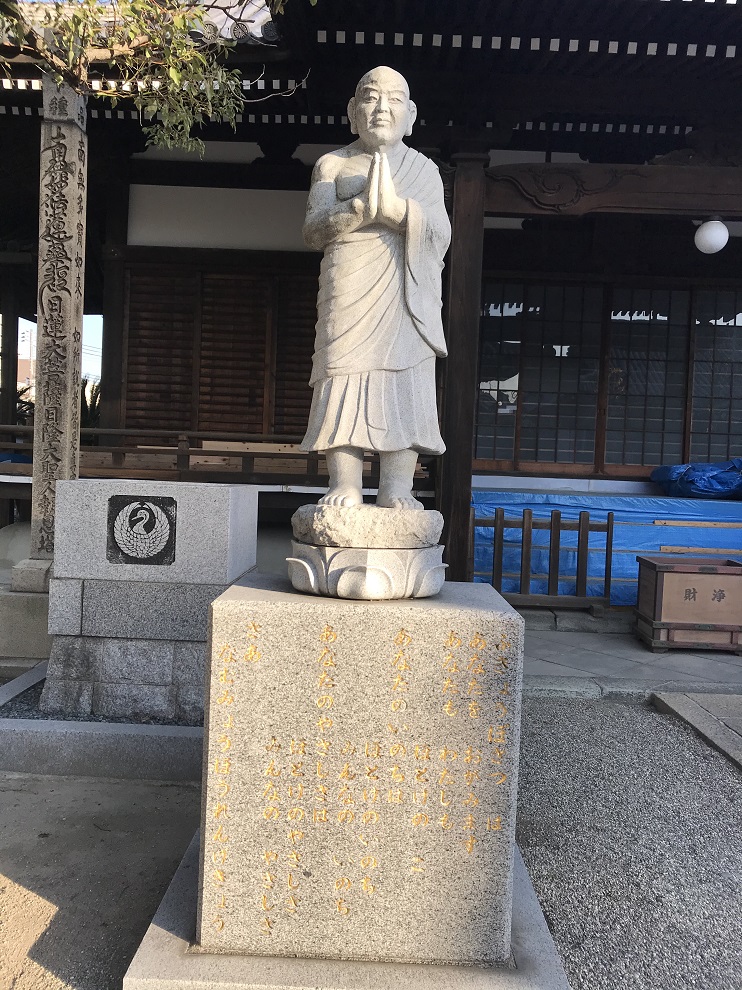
(366, 552)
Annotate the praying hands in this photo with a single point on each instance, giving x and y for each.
(379, 202)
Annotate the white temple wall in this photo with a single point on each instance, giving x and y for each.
(200, 217)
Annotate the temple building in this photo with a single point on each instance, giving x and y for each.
(581, 145)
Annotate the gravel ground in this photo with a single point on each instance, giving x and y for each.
(631, 829)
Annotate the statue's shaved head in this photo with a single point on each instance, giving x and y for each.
(382, 86)
(385, 75)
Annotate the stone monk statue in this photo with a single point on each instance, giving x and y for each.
(376, 210)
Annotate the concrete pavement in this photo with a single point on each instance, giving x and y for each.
(593, 663)
(702, 689)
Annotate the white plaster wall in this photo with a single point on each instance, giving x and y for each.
(189, 216)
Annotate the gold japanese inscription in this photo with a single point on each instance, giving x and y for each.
(252, 654)
(344, 786)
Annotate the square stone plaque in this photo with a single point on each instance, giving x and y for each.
(360, 775)
(141, 530)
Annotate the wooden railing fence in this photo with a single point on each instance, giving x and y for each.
(171, 455)
(556, 526)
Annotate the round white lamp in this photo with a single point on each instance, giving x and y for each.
(711, 236)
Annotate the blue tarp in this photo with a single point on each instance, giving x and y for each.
(722, 480)
(635, 532)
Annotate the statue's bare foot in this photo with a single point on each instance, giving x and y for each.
(395, 500)
(343, 495)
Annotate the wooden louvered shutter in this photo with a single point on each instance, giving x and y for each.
(235, 354)
(162, 304)
(297, 315)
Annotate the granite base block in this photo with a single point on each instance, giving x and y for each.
(76, 658)
(135, 679)
(138, 610)
(67, 697)
(31, 575)
(214, 531)
(189, 663)
(189, 704)
(137, 661)
(137, 702)
(65, 607)
(364, 754)
(167, 958)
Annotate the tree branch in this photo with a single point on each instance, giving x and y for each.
(117, 51)
(33, 44)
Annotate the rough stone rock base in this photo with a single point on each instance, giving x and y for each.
(167, 958)
(136, 679)
(367, 526)
(366, 575)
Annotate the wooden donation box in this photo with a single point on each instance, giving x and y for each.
(690, 603)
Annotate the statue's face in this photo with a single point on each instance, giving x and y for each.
(383, 111)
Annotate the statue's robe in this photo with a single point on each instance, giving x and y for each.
(379, 325)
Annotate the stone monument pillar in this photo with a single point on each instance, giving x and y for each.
(62, 209)
(136, 566)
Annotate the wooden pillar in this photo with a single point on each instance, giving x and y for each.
(8, 348)
(113, 364)
(8, 368)
(462, 313)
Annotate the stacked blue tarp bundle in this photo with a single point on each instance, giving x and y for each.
(643, 525)
(721, 480)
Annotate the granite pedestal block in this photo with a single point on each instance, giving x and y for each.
(140, 680)
(360, 775)
(168, 959)
(133, 610)
(65, 607)
(119, 530)
(136, 566)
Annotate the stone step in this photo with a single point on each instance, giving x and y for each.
(611, 620)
